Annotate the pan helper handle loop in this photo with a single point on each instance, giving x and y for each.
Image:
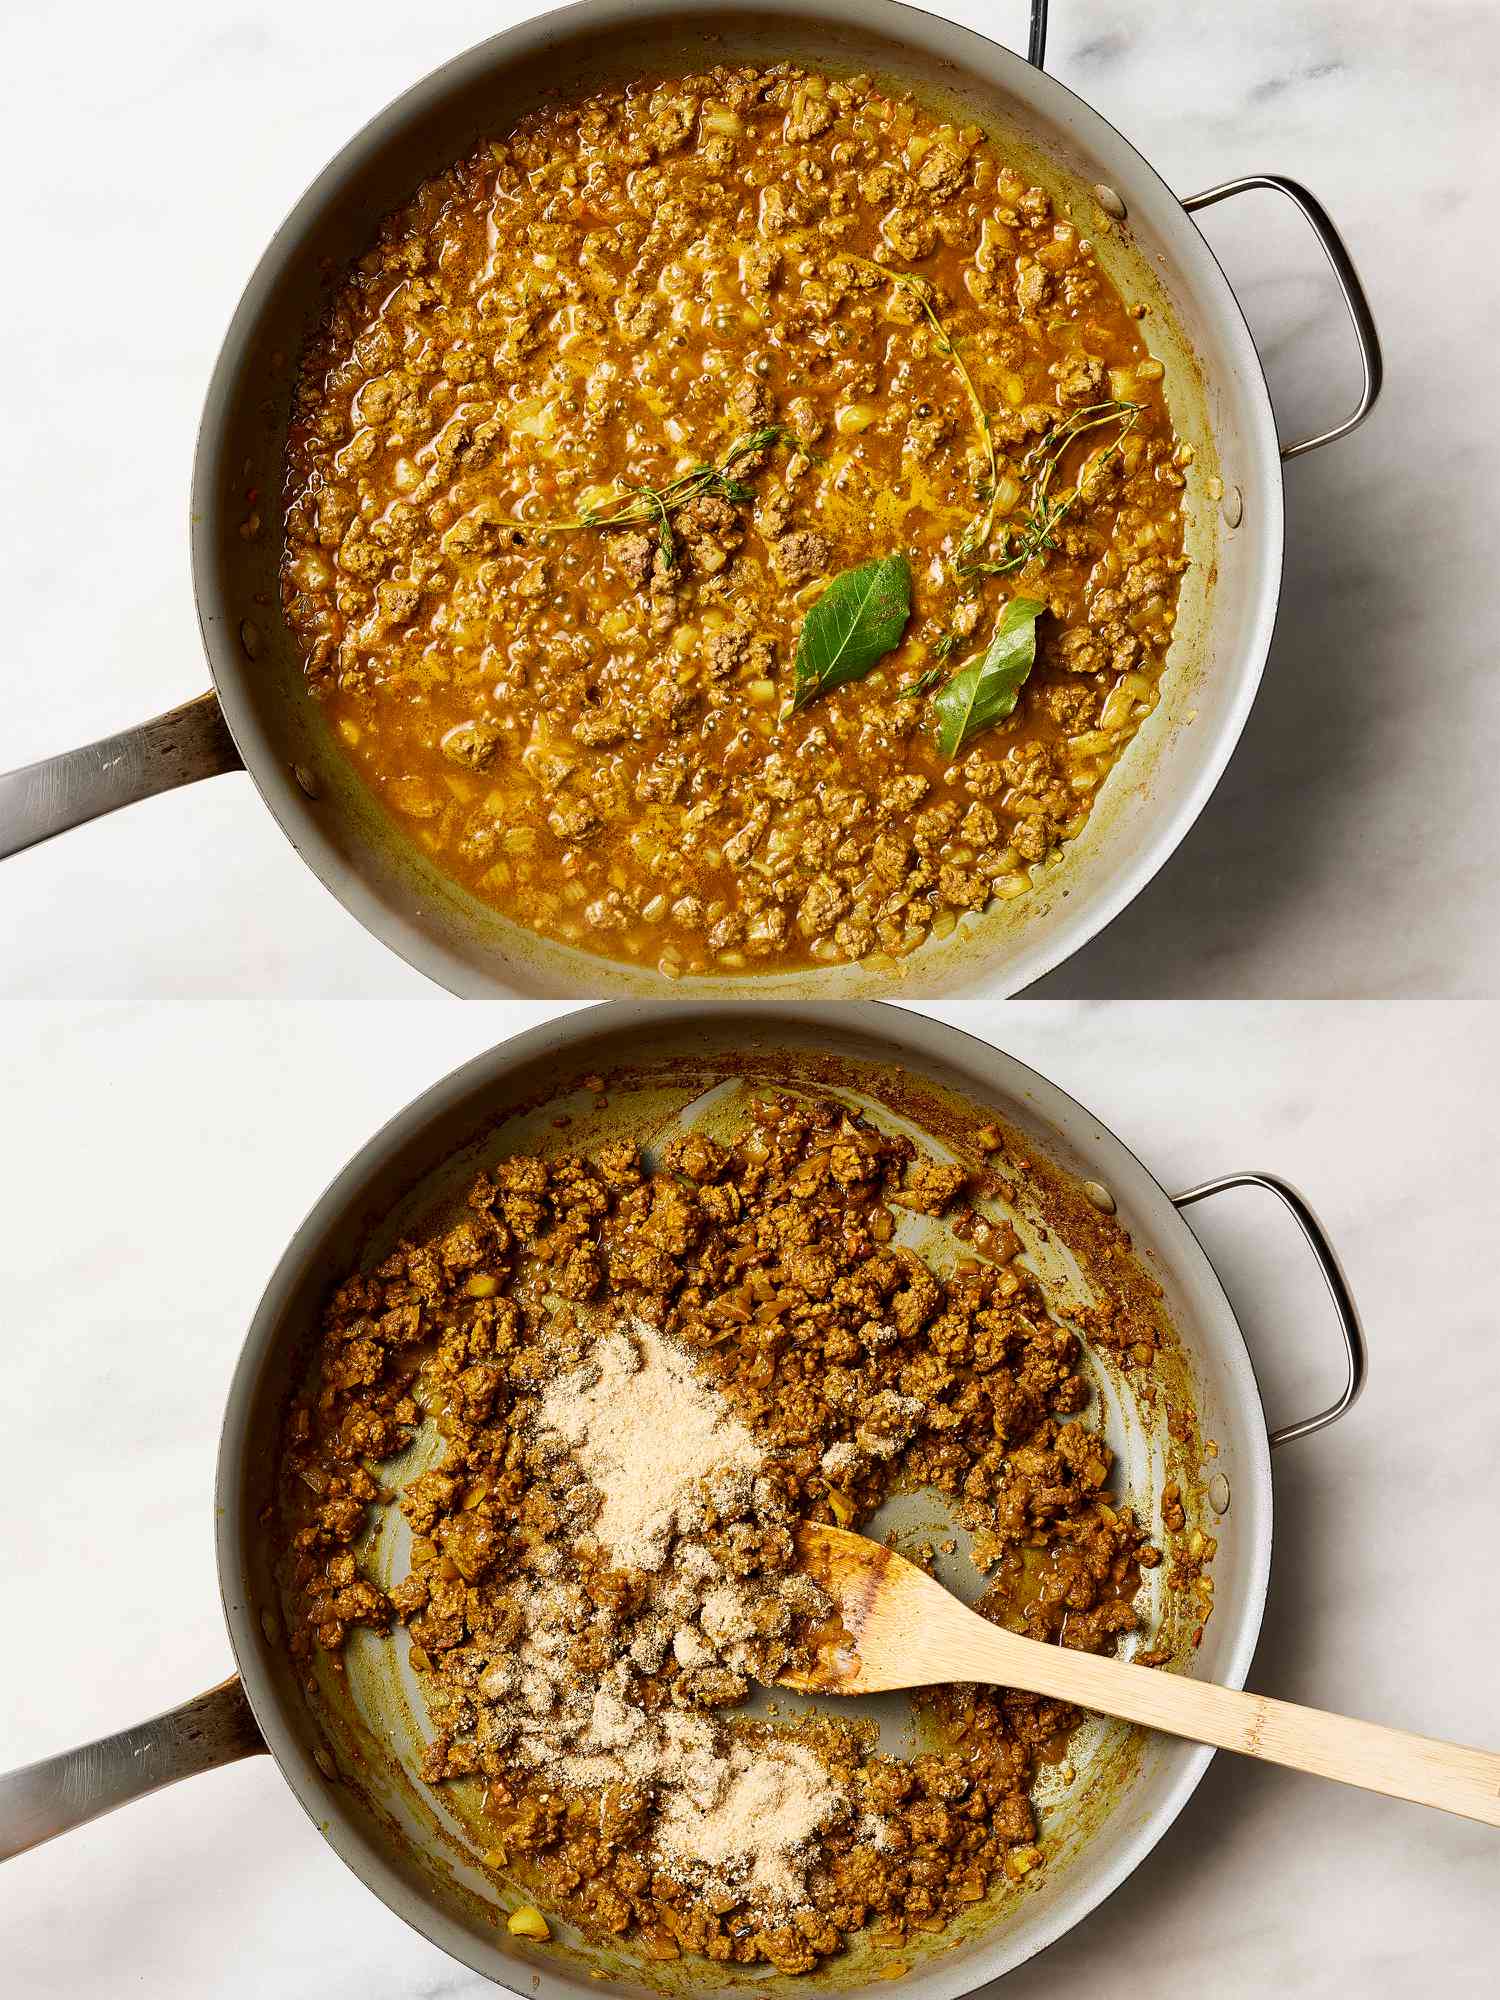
(1344, 1308)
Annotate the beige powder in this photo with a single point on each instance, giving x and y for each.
(752, 1834)
(645, 1429)
(646, 1447)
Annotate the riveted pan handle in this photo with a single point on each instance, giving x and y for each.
(1342, 266)
(1338, 1291)
(69, 1790)
(178, 748)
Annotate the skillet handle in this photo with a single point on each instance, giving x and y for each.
(59, 1793)
(1338, 1291)
(1342, 266)
(178, 748)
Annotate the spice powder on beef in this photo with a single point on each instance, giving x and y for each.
(644, 1378)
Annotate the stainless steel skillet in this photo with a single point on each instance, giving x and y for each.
(260, 712)
(350, 1753)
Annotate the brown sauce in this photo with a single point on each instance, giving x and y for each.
(590, 727)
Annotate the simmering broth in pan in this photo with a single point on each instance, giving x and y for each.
(591, 468)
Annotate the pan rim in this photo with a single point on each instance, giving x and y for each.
(910, 1031)
(1106, 891)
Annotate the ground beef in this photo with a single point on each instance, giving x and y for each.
(770, 1256)
(800, 556)
(534, 539)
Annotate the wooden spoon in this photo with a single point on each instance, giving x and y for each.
(899, 1629)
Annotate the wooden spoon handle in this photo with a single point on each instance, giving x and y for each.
(1449, 1776)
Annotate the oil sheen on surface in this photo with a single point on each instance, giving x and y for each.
(591, 727)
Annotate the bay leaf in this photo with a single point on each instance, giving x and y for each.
(858, 620)
(987, 689)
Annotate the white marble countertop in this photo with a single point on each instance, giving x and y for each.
(168, 1153)
(150, 150)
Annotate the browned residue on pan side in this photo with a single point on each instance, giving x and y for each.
(625, 1100)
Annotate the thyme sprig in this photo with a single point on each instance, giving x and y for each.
(654, 506)
(976, 536)
(1037, 528)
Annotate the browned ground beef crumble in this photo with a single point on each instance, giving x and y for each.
(775, 1264)
(589, 728)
